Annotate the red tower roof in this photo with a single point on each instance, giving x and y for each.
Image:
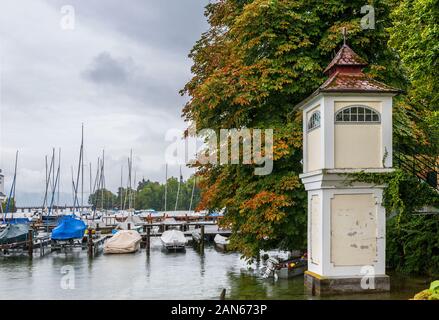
(345, 57)
(346, 76)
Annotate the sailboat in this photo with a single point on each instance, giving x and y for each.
(173, 240)
(126, 238)
(52, 181)
(69, 228)
(14, 232)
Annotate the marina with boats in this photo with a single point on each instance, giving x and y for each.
(305, 177)
(88, 230)
(33, 233)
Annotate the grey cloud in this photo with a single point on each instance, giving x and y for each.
(106, 69)
(123, 76)
(172, 24)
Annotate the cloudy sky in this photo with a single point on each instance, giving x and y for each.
(118, 72)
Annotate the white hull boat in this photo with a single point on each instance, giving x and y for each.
(173, 240)
(124, 241)
(221, 242)
(131, 223)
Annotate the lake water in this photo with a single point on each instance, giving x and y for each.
(160, 275)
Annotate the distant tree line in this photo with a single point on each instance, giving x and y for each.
(148, 195)
(12, 207)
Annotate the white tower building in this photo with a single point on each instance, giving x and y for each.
(347, 128)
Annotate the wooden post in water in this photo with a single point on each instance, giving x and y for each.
(30, 240)
(223, 294)
(148, 240)
(202, 239)
(90, 243)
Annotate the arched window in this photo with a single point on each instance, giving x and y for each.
(357, 114)
(314, 121)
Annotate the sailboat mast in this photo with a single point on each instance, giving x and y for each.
(91, 179)
(82, 168)
(166, 187)
(54, 188)
(53, 168)
(12, 192)
(135, 190)
(45, 193)
(121, 188)
(131, 179)
(59, 181)
(178, 190)
(102, 179)
(73, 187)
(77, 178)
(193, 191)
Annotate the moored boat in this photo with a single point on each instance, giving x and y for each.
(69, 228)
(285, 269)
(124, 241)
(14, 233)
(173, 240)
(131, 223)
(221, 242)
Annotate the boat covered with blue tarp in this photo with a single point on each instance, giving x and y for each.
(69, 228)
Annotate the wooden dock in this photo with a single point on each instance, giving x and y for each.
(207, 231)
(30, 245)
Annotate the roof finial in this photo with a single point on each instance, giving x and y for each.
(344, 35)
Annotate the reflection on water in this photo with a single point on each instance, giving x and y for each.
(158, 276)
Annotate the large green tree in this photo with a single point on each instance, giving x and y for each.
(412, 240)
(414, 36)
(257, 60)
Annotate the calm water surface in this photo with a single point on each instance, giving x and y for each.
(160, 276)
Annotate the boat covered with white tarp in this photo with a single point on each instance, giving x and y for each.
(124, 241)
(173, 240)
(221, 242)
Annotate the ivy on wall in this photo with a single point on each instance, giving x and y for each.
(412, 237)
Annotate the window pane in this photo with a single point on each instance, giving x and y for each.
(357, 114)
(314, 121)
